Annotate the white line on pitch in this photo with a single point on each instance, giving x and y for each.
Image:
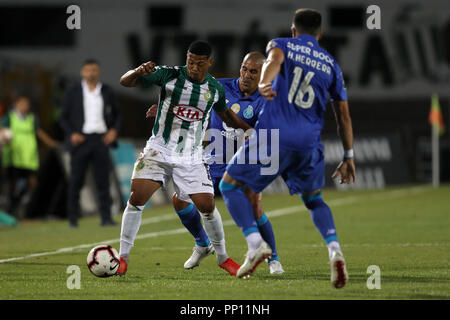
(273, 213)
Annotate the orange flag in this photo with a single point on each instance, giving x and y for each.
(435, 117)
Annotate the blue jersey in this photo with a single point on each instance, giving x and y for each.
(308, 77)
(247, 108)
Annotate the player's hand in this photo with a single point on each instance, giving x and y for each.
(266, 91)
(145, 68)
(346, 169)
(152, 111)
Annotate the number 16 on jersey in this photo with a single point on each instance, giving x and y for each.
(303, 89)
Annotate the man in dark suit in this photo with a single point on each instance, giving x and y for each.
(90, 120)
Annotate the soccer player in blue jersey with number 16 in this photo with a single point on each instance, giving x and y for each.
(297, 79)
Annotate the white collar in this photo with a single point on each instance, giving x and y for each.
(97, 89)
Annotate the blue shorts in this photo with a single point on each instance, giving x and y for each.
(302, 171)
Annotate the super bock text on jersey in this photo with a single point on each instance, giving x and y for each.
(308, 77)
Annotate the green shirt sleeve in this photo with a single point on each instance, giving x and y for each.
(221, 104)
(162, 75)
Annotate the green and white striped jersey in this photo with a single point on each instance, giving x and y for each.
(184, 110)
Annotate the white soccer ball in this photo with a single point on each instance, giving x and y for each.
(103, 261)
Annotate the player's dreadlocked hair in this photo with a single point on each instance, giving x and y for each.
(307, 21)
(200, 48)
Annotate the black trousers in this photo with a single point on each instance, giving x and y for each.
(91, 151)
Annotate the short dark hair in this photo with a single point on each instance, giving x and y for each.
(200, 48)
(307, 21)
(90, 61)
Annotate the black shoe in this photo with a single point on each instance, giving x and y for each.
(73, 224)
(108, 223)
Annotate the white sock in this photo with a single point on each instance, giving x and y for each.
(254, 240)
(131, 221)
(214, 228)
(333, 246)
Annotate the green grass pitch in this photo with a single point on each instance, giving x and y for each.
(405, 231)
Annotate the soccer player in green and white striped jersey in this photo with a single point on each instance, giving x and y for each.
(183, 111)
(188, 93)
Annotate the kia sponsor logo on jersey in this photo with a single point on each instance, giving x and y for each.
(187, 112)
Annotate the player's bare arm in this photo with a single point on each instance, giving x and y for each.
(346, 169)
(152, 111)
(270, 70)
(232, 120)
(130, 78)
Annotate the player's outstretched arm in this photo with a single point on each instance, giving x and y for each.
(232, 120)
(346, 169)
(270, 70)
(130, 78)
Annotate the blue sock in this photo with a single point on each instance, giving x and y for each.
(321, 216)
(265, 228)
(239, 206)
(190, 217)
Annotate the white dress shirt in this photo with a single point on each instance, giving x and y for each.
(93, 109)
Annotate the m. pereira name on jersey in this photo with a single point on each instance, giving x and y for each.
(187, 113)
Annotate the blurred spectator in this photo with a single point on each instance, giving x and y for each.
(20, 155)
(90, 120)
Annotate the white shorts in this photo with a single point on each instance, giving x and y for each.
(187, 179)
